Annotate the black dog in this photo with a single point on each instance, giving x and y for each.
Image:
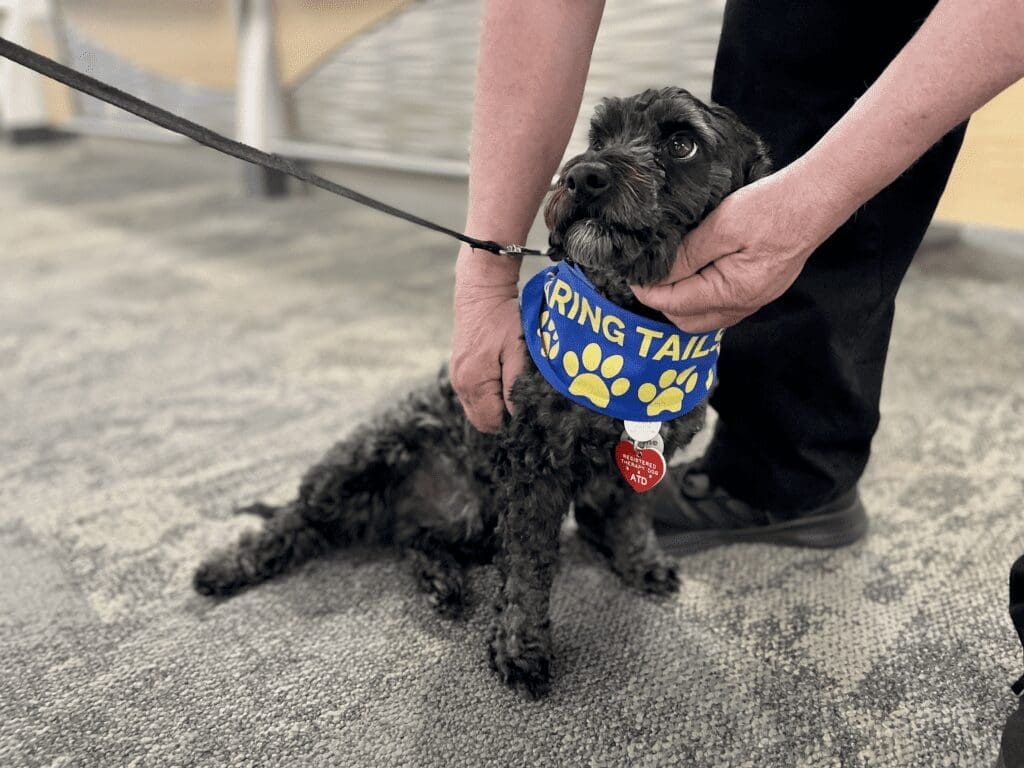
(421, 479)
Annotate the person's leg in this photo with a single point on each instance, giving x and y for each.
(799, 381)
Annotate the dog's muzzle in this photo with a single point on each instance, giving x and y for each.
(587, 182)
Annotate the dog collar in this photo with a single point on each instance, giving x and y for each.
(609, 359)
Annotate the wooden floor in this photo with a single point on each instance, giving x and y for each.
(195, 42)
(987, 186)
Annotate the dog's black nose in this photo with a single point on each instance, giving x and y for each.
(588, 180)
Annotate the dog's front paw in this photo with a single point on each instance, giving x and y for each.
(521, 655)
(446, 595)
(443, 582)
(657, 577)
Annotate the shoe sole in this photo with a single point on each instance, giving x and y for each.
(828, 530)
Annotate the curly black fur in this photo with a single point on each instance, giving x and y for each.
(423, 480)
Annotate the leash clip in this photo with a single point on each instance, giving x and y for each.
(511, 250)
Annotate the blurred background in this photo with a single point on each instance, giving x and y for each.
(386, 85)
(178, 338)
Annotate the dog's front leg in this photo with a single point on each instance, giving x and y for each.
(535, 497)
(617, 523)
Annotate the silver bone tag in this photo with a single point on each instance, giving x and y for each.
(642, 431)
(657, 443)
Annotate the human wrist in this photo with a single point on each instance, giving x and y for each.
(827, 193)
(475, 268)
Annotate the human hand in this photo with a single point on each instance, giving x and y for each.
(747, 252)
(488, 351)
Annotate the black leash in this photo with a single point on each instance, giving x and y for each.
(198, 133)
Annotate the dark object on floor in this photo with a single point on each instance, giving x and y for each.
(1011, 749)
(691, 513)
(1017, 609)
(421, 479)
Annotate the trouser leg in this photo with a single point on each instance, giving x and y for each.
(800, 379)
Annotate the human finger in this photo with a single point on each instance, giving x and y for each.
(513, 362)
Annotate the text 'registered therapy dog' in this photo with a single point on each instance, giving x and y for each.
(419, 478)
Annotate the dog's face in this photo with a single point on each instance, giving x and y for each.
(657, 163)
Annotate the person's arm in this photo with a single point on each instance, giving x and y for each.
(534, 57)
(753, 246)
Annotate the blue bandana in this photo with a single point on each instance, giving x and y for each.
(608, 359)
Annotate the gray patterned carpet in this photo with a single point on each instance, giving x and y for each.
(169, 349)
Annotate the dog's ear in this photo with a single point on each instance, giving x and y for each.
(753, 158)
(757, 164)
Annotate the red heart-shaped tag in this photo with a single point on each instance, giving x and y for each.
(643, 468)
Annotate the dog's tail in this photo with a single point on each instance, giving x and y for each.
(345, 498)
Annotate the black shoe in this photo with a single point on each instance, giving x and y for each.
(1011, 750)
(691, 514)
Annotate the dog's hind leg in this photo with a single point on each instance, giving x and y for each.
(342, 499)
(285, 540)
(615, 521)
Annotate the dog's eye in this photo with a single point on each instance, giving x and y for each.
(682, 146)
(597, 145)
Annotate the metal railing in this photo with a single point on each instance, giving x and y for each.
(396, 98)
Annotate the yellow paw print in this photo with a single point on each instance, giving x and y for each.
(673, 387)
(548, 336)
(589, 384)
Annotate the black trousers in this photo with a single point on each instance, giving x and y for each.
(800, 380)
